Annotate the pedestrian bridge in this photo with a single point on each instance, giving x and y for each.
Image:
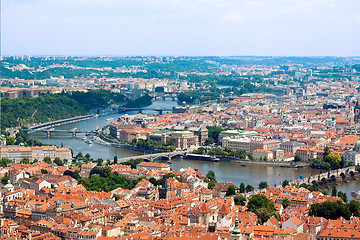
(327, 177)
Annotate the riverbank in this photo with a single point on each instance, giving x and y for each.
(270, 163)
(252, 174)
(117, 144)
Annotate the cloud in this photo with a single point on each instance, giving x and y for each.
(202, 27)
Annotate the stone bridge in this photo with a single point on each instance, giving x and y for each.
(319, 179)
(151, 157)
(326, 177)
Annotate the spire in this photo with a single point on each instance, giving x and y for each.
(236, 231)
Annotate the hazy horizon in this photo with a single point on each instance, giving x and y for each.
(194, 28)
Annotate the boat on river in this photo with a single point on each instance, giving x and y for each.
(291, 166)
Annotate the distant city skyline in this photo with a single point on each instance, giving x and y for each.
(180, 27)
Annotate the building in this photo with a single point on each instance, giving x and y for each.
(201, 133)
(152, 165)
(266, 144)
(236, 134)
(135, 133)
(236, 143)
(17, 153)
(184, 139)
(351, 157)
(294, 223)
(205, 195)
(263, 154)
(220, 189)
(291, 146)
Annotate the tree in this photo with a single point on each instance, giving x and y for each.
(44, 171)
(79, 155)
(285, 203)
(87, 156)
(333, 160)
(343, 196)
(330, 210)
(211, 184)
(325, 192)
(99, 161)
(10, 141)
(251, 157)
(211, 176)
(230, 191)
(261, 206)
(297, 158)
(214, 132)
(153, 181)
(334, 191)
(285, 183)
(354, 207)
(47, 160)
(74, 174)
(5, 162)
(240, 200)
(58, 162)
(313, 188)
(326, 151)
(25, 161)
(116, 197)
(115, 160)
(5, 179)
(263, 185)
(103, 172)
(249, 188)
(242, 187)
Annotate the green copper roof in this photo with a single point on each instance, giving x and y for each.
(236, 230)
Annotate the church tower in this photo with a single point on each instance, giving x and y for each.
(357, 112)
(236, 232)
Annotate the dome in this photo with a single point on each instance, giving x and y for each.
(357, 143)
(9, 185)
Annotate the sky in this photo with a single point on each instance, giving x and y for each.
(180, 27)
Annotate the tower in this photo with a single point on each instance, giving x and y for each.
(163, 188)
(236, 233)
(357, 112)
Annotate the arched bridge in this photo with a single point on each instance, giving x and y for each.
(73, 131)
(327, 177)
(140, 110)
(151, 157)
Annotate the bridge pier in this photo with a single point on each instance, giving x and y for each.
(74, 134)
(48, 133)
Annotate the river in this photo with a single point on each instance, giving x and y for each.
(225, 171)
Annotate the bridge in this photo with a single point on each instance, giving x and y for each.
(73, 131)
(151, 157)
(140, 110)
(327, 177)
(319, 179)
(47, 125)
(163, 96)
